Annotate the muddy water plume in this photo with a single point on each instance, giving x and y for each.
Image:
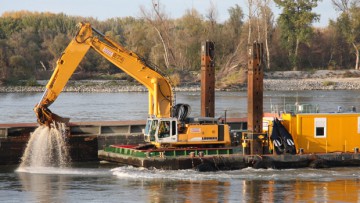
(47, 147)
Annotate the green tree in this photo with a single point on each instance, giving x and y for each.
(54, 47)
(19, 68)
(235, 21)
(4, 60)
(25, 43)
(348, 24)
(295, 23)
(137, 35)
(190, 30)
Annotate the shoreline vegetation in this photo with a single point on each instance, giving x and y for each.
(273, 81)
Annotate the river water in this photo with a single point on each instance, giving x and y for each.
(18, 107)
(104, 182)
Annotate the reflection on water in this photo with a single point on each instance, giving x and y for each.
(299, 190)
(187, 191)
(44, 188)
(247, 185)
(51, 184)
(252, 191)
(127, 184)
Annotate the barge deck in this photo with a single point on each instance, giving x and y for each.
(94, 141)
(212, 159)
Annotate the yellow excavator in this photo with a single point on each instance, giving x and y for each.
(168, 125)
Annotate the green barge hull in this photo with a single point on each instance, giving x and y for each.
(212, 159)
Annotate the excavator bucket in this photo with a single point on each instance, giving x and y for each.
(46, 117)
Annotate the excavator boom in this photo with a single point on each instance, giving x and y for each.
(160, 91)
(167, 124)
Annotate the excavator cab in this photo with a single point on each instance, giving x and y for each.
(161, 130)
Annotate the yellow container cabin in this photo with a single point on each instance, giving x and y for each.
(324, 132)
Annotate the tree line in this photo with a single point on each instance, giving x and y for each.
(31, 42)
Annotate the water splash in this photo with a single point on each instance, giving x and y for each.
(46, 148)
(303, 174)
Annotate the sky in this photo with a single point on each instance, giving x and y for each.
(104, 9)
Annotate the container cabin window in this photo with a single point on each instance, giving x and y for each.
(320, 127)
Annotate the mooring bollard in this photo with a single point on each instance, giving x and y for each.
(201, 154)
(192, 154)
(301, 151)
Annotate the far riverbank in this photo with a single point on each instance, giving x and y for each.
(273, 81)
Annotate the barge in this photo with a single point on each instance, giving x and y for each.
(212, 159)
(122, 142)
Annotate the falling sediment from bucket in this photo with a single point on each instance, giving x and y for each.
(46, 147)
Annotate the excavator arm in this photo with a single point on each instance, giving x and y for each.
(160, 91)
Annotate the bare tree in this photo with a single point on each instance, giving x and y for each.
(250, 16)
(160, 22)
(212, 15)
(235, 24)
(264, 23)
(341, 5)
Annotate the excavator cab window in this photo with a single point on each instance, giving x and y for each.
(153, 128)
(147, 130)
(147, 127)
(173, 128)
(167, 132)
(164, 129)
